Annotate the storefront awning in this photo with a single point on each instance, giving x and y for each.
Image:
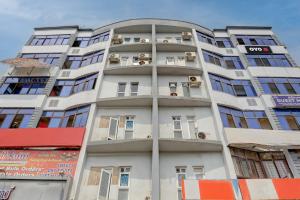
(41, 137)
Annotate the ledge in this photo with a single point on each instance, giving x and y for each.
(189, 145)
(109, 146)
(128, 70)
(178, 70)
(129, 101)
(175, 47)
(173, 101)
(132, 47)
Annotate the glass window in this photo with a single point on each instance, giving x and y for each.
(76, 117)
(15, 118)
(43, 40)
(134, 88)
(124, 176)
(228, 62)
(121, 89)
(75, 62)
(280, 85)
(244, 119)
(255, 40)
(68, 87)
(273, 60)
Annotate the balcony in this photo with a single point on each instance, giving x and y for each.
(177, 64)
(241, 189)
(133, 42)
(41, 137)
(128, 63)
(174, 43)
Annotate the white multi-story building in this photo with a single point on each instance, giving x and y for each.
(128, 110)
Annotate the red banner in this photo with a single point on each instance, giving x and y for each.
(38, 163)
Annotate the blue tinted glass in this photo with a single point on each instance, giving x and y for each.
(124, 180)
(25, 121)
(66, 91)
(7, 121)
(224, 120)
(283, 123)
(253, 123)
(54, 122)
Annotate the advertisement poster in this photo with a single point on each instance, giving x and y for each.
(38, 163)
(287, 101)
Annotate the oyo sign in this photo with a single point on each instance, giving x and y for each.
(258, 49)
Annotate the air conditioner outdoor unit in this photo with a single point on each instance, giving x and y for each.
(194, 81)
(144, 62)
(201, 135)
(186, 35)
(149, 136)
(190, 56)
(174, 94)
(165, 41)
(114, 58)
(117, 39)
(108, 138)
(144, 56)
(145, 40)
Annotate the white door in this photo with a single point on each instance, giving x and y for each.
(104, 186)
(113, 128)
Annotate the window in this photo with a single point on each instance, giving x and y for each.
(129, 127)
(233, 87)
(113, 128)
(134, 86)
(64, 87)
(124, 183)
(86, 41)
(170, 60)
(192, 126)
(15, 118)
(48, 58)
(81, 42)
(177, 127)
(272, 60)
(24, 85)
(136, 39)
(244, 119)
(205, 38)
(43, 40)
(181, 175)
(104, 186)
(121, 89)
(289, 118)
(127, 39)
(76, 117)
(250, 164)
(255, 40)
(198, 172)
(124, 176)
(228, 62)
(173, 88)
(223, 43)
(280, 85)
(186, 89)
(75, 62)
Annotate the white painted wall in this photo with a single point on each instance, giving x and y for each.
(142, 122)
(164, 89)
(45, 49)
(136, 35)
(140, 175)
(274, 71)
(212, 162)
(237, 102)
(203, 117)
(229, 73)
(109, 86)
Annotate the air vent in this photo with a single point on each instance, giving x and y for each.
(65, 73)
(229, 51)
(75, 51)
(53, 103)
(239, 73)
(251, 102)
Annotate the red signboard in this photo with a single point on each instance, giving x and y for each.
(38, 163)
(41, 137)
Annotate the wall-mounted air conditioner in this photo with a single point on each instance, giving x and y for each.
(145, 40)
(144, 56)
(186, 35)
(117, 39)
(194, 81)
(201, 135)
(114, 58)
(190, 56)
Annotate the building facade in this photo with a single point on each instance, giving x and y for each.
(130, 109)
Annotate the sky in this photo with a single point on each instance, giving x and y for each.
(19, 17)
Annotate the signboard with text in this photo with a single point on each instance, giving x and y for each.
(287, 101)
(38, 163)
(258, 49)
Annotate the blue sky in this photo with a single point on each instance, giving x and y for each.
(19, 17)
